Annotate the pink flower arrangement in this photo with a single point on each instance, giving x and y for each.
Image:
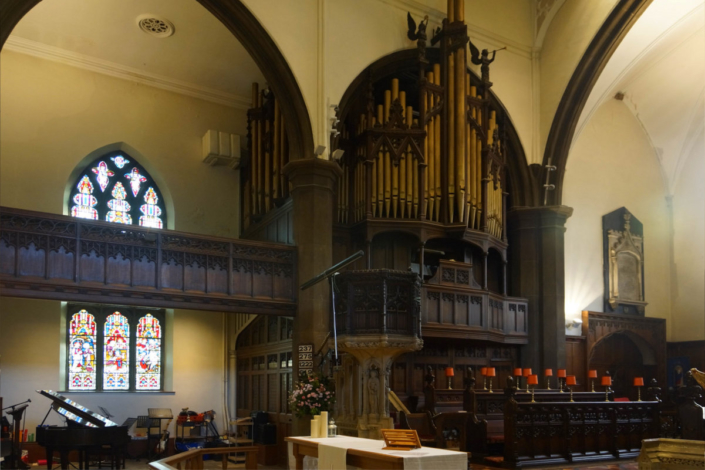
(311, 395)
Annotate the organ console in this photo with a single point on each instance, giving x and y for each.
(86, 431)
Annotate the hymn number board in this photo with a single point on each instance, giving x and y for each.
(305, 357)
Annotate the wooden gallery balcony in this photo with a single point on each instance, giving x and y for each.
(453, 305)
(449, 305)
(57, 257)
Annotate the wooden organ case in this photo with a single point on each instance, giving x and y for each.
(425, 188)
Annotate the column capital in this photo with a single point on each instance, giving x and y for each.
(310, 173)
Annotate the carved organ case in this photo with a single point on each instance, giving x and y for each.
(623, 238)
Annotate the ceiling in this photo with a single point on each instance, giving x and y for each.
(660, 69)
(202, 56)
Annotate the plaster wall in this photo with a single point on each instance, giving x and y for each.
(54, 115)
(566, 40)
(30, 343)
(689, 248)
(612, 165)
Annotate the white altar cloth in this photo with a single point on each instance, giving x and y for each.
(332, 453)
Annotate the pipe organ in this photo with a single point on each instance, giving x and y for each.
(264, 184)
(427, 147)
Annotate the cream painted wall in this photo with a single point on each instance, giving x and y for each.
(689, 248)
(30, 338)
(566, 40)
(612, 165)
(53, 115)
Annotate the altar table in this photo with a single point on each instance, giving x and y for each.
(368, 454)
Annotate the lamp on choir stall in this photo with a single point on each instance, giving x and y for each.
(570, 382)
(638, 383)
(526, 373)
(518, 375)
(450, 372)
(548, 373)
(561, 375)
(532, 380)
(483, 371)
(490, 374)
(592, 375)
(606, 382)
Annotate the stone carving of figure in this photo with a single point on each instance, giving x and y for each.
(373, 390)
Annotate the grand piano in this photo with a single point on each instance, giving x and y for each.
(86, 432)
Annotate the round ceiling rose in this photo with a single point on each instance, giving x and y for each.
(156, 26)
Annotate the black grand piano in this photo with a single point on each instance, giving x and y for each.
(86, 432)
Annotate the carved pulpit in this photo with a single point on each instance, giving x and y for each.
(623, 241)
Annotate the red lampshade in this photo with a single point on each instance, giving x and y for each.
(450, 372)
(533, 380)
(592, 374)
(606, 380)
(517, 372)
(561, 373)
(483, 371)
(527, 372)
(638, 381)
(490, 372)
(548, 372)
(570, 380)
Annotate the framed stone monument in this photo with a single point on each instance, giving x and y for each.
(623, 251)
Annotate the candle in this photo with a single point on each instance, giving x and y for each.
(548, 372)
(561, 373)
(517, 372)
(450, 372)
(592, 374)
(526, 372)
(533, 380)
(323, 423)
(315, 427)
(638, 381)
(570, 380)
(606, 381)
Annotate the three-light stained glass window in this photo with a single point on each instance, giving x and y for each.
(149, 358)
(82, 353)
(116, 188)
(114, 349)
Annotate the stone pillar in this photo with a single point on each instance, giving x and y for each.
(536, 240)
(313, 183)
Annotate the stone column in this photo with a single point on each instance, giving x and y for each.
(536, 240)
(313, 184)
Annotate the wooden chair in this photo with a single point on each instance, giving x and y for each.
(423, 424)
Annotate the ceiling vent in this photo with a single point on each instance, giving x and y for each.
(155, 26)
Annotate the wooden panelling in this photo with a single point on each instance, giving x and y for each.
(694, 350)
(575, 362)
(63, 258)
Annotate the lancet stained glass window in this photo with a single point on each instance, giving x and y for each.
(114, 349)
(116, 353)
(116, 188)
(82, 343)
(149, 358)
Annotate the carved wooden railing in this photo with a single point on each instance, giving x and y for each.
(454, 305)
(63, 258)
(378, 301)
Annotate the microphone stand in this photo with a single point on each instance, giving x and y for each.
(330, 274)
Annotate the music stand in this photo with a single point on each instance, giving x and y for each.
(14, 460)
(156, 416)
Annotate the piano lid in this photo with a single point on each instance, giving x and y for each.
(76, 412)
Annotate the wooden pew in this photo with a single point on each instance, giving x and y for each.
(550, 433)
(690, 413)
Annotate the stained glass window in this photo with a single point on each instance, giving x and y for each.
(101, 193)
(149, 358)
(116, 353)
(113, 349)
(82, 351)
